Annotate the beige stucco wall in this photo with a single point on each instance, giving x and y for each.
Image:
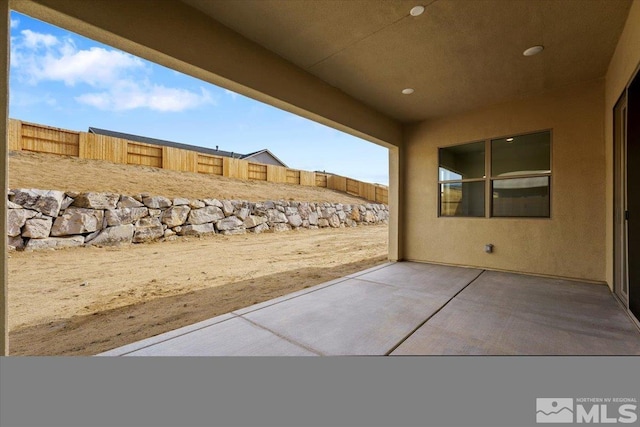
(625, 60)
(570, 244)
(395, 203)
(4, 106)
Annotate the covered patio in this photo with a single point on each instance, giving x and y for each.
(415, 309)
(509, 125)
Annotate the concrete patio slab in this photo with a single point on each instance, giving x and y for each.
(232, 337)
(503, 313)
(359, 317)
(292, 295)
(129, 348)
(369, 270)
(414, 309)
(434, 279)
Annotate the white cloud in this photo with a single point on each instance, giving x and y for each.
(15, 23)
(43, 57)
(129, 95)
(119, 80)
(98, 100)
(96, 66)
(35, 40)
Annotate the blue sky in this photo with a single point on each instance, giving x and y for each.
(61, 79)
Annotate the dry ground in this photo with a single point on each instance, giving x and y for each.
(54, 172)
(82, 301)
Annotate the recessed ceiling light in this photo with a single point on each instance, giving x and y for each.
(407, 91)
(417, 10)
(533, 50)
(509, 139)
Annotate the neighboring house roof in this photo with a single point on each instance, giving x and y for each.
(165, 143)
(264, 151)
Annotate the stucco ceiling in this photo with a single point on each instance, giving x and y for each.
(459, 55)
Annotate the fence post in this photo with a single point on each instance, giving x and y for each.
(83, 145)
(15, 135)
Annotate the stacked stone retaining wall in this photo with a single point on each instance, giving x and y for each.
(41, 219)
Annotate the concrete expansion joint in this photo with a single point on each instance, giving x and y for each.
(289, 340)
(372, 281)
(433, 314)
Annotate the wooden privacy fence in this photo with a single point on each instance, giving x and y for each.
(45, 139)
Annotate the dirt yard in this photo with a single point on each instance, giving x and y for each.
(53, 172)
(82, 301)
